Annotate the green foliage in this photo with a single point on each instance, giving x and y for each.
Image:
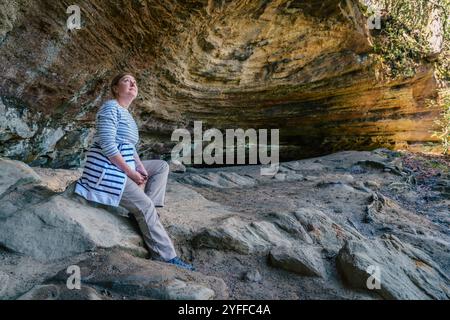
(403, 45)
(403, 42)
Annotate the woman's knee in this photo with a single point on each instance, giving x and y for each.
(164, 166)
(159, 166)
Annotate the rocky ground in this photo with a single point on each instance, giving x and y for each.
(316, 230)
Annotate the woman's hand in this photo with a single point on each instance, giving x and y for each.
(137, 177)
(142, 171)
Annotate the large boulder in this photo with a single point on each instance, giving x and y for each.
(116, 274)
(244, 237)
(304, 260)
(15, 172)
(323, 230)
(402, 271)
(40, 223)
(61, 292)
(220, 180)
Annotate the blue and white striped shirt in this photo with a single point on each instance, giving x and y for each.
(114, 125)
(117, 132)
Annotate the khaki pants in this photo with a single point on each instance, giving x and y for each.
(142, 203)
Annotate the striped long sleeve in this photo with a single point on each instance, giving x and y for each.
(114, 125)
(107, 123)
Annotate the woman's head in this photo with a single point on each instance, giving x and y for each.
(124, 86)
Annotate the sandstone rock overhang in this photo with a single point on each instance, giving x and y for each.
(299, 66)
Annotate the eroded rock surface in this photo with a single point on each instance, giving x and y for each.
(40, 223)
(116, 274)
(300, 66)
(301, 238)
(332, 208)
(404, 272)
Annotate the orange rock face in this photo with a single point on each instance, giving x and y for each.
(299, 66)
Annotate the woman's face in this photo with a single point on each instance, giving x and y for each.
(127, 87)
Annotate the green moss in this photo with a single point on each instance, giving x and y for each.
(402, 41)
(402, 46)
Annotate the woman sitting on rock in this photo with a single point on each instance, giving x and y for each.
(114, 174)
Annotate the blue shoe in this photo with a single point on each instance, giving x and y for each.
(178, 262)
